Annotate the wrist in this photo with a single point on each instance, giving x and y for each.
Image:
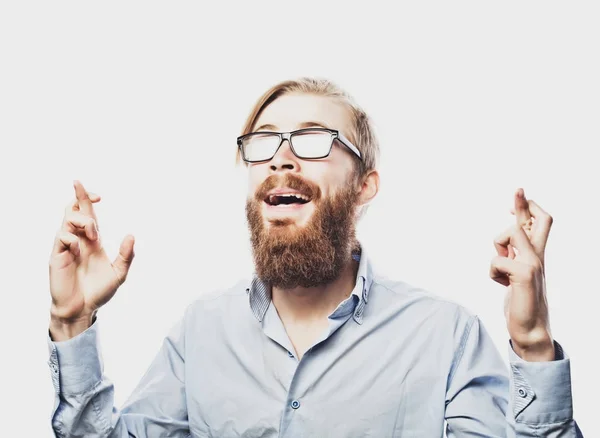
(63, 330)
(540, 350)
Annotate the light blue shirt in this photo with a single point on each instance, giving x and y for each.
(395, 361)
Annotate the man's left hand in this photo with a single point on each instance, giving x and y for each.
(520, 267)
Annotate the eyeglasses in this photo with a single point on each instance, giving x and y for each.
(307, 144)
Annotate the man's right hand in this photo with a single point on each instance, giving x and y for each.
(82, 278)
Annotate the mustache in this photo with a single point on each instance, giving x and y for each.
(288, 180)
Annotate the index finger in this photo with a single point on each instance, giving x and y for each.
(83, 199)
(522, 212)
(543, 224)
(516, 237)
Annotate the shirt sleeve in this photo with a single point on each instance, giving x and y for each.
(84, 396)
(484, 398)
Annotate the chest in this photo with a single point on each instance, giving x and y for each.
(304, 336)
(345, 386)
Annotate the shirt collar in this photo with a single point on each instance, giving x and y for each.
(259, 293)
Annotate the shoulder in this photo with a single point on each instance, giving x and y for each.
(430, 321)
(421, 303)
(232, 295)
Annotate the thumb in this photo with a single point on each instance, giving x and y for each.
(123, 261)
(501, 269)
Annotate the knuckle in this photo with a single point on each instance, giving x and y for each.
(67, 237)
(494, 265)
(71, 206)
(78, 216)
(69, 217)
(502, 238)
(72, 217)
(545, 218)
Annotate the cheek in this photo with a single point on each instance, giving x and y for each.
(256, 175)
(251, 189)
(333, 173)
(331, 182)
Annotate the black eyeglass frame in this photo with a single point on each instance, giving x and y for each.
(335, 135)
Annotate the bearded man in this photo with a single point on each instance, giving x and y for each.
(315, 343)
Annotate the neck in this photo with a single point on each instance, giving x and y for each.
(315, 303)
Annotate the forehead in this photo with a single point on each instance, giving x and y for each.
(297, 110)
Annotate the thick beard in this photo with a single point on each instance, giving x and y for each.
(289, 256)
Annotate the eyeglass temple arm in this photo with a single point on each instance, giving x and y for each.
(348, 144)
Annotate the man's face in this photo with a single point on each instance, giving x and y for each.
(306, 242)
(296, 111)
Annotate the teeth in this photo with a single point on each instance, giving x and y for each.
(295, 195)
(272, 198)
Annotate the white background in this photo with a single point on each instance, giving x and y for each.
(143, 101)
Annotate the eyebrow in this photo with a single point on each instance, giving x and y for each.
(269, 127)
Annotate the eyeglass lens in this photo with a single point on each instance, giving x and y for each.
(306, 144)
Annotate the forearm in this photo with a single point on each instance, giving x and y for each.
(540, 399)
(85, 397)
(533, 400)
(89, 414)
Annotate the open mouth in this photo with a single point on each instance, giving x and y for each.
(282, 199)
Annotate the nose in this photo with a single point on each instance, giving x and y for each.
(284, 159)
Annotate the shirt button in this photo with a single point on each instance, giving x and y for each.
(295, 404)
(522, 392)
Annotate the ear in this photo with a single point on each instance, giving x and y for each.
(369, 187)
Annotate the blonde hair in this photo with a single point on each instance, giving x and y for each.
(362, 135)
